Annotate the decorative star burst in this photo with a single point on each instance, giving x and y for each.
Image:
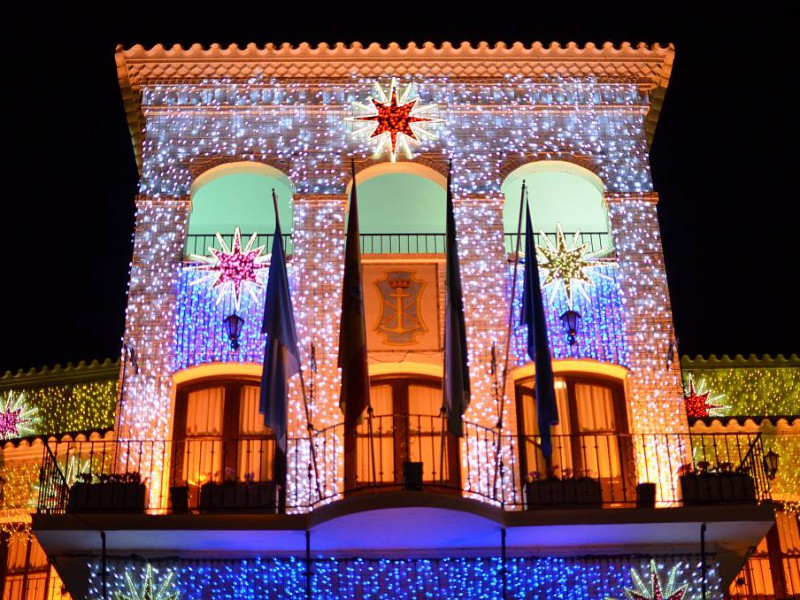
(568, 267)
(233, 270)
(17, 419)
(700, 403)
(149, 589)
(394, 120)
(656, 591)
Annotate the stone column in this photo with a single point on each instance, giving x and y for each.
(654, 391)
(145, 408)
(317, 267)
(484, 275)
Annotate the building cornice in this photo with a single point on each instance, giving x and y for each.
(93, 371)
(752, 361)
(137, 66)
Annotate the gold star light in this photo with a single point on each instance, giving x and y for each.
(394, 119)
(568, 267)
(655, 590)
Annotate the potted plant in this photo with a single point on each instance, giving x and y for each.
(231, 495)
(115, 492)
(565, 491)
(722, 483)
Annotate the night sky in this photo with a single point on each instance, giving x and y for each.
(723, 160)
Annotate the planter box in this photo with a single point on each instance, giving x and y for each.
(179, 499)
(106, 497)
(646, 495)
(259, 496)
(564, 493)
(717, 488)
(412, 475)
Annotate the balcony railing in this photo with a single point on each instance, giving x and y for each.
(597, 241)
(397, 243)
(216, 475)
(199, 243)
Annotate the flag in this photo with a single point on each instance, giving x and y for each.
(354, 396)
(281, 355)
(538, 347)
(456, 374)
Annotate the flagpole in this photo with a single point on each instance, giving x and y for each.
(504, 374)
(309, 426)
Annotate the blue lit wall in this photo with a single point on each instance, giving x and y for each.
(593, 578)
(200, 335)
(601, 328)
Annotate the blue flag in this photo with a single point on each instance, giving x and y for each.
(281, 355)
(538, 347)
(456, 373)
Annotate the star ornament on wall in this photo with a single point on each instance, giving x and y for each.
(654, 589)
(17, 419)
(149, 590)
(394, 119)
(700, 403)
(233, 271)
(568, 267)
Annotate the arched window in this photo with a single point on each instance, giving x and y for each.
(401, 209)
(591, 438)
(220, 434)
(407, 427)
(560, 193)
(238, 195)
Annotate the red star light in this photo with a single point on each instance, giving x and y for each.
(394, 120)
(699, 405)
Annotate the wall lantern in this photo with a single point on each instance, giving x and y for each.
(570, 320)
(233, 326)
(771, 464)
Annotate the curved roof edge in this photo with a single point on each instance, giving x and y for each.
(742, 419)
(83, 371)
(713, 362)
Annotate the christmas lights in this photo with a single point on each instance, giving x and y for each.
(567, 267)
(700, 403)
(17, 417)
(394, 122)
(232, 271)
(750, 388)
(403, 579)
(654, 589)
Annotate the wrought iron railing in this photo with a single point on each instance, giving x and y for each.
(208, 474)
(400, 243)
(199, 243)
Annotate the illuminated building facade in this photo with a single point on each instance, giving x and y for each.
(177, 494)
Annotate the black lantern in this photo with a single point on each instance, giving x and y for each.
(233, 325)
(771, 464)
(570, 320)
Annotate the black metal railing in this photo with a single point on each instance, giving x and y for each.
(199, 243)
(399, 243)
(208, 474)
(597, 241)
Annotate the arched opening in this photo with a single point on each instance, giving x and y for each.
(238, 195)
(591, 440)
(401, 209)
(560, 193)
